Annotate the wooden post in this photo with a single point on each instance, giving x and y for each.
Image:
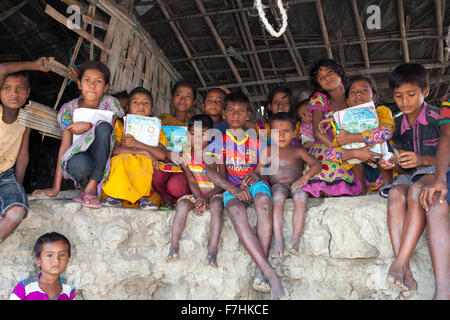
(323, 27)
(401, 21)
(361, 34)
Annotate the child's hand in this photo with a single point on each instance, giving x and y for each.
(409, 159)
(365, 155)
(343, 137)
(241, 194)
(51, 192)
(428, 192)
(250, 180)
(307, 145)
(386, 165)
(325, 125)
(79, 127)
(201, 205)
(299, 183)
(179, 158)
(129, 141)
(42, 64)
(148, 155)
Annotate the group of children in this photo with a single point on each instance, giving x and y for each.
(233, 162)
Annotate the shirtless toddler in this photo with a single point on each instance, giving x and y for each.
(288, 181)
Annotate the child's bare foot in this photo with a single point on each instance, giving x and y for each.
(276, 288)
(173, 254)
(396, 277)
(278, 249)
(294, 245)
(260, 283)
(211, 259)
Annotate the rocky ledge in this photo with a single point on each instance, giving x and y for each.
(119, 253)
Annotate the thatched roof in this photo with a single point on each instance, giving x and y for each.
(223, 42)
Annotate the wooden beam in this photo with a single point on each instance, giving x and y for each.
(163, 8)
(12, 10)
(307, 45)
(222, 48)
(361, 34)
(439, 26)
(221, 12)
(350, 72)
(289, 41)
(323, 27)
(401, 21)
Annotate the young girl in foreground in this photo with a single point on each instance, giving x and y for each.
(52, 253)
(134, 162)
(86, 161)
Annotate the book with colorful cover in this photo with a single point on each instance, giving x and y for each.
(91, 115)
(359, 119)
(177, 137)
(144, 129)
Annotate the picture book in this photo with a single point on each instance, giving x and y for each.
(144, 129)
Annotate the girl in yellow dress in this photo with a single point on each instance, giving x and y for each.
(134, 162)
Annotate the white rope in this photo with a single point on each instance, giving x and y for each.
(268, 26)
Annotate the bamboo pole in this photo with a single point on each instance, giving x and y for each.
(323, 27)
(401, 21)
(361, 34)
(163, 8)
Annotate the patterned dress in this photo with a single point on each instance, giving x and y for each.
(333, 179)
(65, 117)
(383, 133)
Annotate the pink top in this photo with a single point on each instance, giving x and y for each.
(29, 290)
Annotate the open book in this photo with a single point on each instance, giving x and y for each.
(176, 137)
(359, 119)
(144, 129)
(91, 115)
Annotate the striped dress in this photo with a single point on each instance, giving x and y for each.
(29, 290)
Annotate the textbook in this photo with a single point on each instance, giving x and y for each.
(176, 137)
(359, 119)
(91, 115)
(144, 129)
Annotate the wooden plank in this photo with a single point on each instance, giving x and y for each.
(11, 11)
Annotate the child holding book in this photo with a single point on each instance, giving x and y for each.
(239, 152)
(52, 254)
(288, 180)
(360, 90)
(169, 180)
(133, 162)
(14, 139)
(87, 159)
(416, 137)
(204, 194)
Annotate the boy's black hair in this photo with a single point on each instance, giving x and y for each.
(325, 63)
(206, 121)
(97, 65)
(50, 237)
(24, 74)
(216, 89)
(272, 94)
(121, 95)
(283, 116)
(353, 79)
(184, 83)
(141, 90)
(237, 97)
(410, 72)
